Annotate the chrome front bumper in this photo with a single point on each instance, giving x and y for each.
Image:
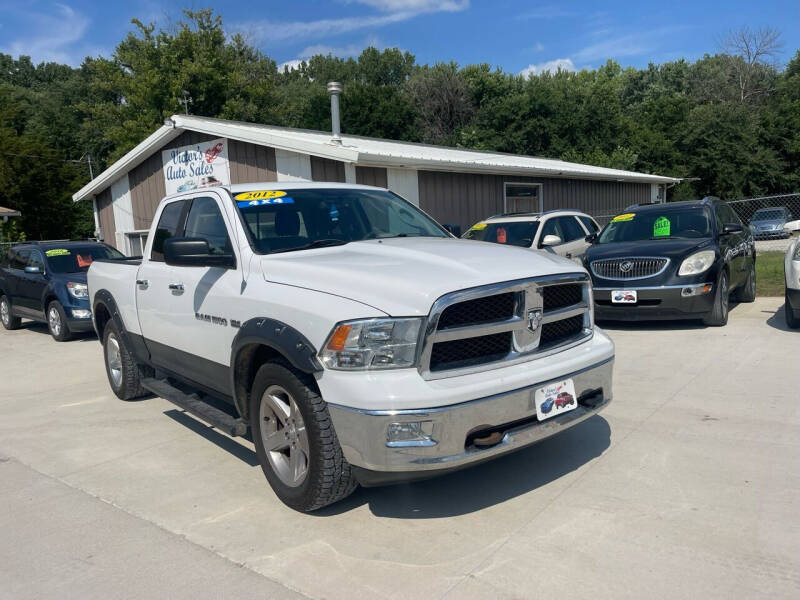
(363, 433)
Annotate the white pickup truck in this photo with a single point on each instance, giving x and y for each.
(349, 333)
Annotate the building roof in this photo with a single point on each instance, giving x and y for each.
(364, 151)
(9, 212)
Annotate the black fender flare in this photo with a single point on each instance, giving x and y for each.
(135, 343)
(283, 339)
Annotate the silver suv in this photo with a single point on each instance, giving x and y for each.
(561, 231)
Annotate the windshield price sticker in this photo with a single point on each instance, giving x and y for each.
(57, 252)
(625, 217)
(265, 201)
(661, 227)
(260, 195)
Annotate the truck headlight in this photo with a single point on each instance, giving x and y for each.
(372, 344)
(78, 290)
(699, 262)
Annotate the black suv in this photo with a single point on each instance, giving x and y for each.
(46, 281)
(679, 260)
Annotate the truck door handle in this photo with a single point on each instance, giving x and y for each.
(176, 287)
(142, 282)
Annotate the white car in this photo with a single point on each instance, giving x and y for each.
(791, 267)
(561, 231)
(355, 338)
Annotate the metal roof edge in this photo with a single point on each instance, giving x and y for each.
(252, 133)
(132, 159)
(378, 160)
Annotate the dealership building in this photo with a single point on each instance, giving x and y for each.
(454, 185)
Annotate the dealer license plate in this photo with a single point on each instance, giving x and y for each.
(554, 399)
(623, 297)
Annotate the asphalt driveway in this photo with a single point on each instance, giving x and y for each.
(687, 485)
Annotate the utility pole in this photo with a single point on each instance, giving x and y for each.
(89, 160)
(187, 100)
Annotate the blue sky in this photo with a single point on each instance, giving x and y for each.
(519, 36)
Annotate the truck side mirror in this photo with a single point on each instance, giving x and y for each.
(195, 252)
(453, 228)
(551, 240)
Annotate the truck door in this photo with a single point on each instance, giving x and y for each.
(196, 342)
(155, 300)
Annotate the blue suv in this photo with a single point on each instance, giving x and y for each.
(46, 282)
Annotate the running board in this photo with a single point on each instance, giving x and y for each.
(195, 405)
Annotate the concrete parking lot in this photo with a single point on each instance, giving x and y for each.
(687, 486)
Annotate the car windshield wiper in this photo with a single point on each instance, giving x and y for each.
(315, 244)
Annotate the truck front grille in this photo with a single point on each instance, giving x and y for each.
(637, 267)
(492, 326)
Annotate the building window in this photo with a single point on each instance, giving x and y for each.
(522, 197)
(135, 242)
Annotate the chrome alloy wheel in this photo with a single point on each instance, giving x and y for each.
(114, 361)
(283, 433)
(5, 313)
(54, 321)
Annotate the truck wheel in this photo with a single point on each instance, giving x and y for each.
(9, 321)
(792, 320)
(295, 440)
(747, 293)
(719, 314)
(57, 322)
(121, 368)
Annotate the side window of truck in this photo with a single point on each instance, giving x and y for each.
(205, 221)
(169, 225)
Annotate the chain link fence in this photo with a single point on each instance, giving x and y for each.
(774, 220)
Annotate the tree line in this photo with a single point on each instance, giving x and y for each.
(728, 122)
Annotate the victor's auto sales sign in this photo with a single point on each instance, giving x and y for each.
(196, 166)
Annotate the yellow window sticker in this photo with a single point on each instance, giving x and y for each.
(625, 217)
(478, 226)
(260, 195)
(57, 252)
(661, 227)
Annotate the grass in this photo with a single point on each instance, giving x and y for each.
(770, 280)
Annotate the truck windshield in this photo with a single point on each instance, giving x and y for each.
(520, 233)
(76, 259)
(669, 223)
(298, 219)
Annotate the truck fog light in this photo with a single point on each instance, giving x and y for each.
(81, 313)
(410, 433)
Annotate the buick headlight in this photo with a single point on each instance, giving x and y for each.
(78, 290)
(699, 262)
(372, 344)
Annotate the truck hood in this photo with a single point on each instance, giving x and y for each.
(404, 276)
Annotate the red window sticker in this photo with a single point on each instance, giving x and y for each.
(83, 260)
(501, 235)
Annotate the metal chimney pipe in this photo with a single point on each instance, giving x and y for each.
(334, 89)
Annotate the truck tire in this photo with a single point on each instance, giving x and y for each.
(8, 320)
(121, 368)
(57, 322)
(295, 440)
(747, 293)
(718, 316)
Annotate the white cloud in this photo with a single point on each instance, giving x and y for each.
(632, 44)
(51, 36)
(564, 64)
(392, 11)
(292, 65)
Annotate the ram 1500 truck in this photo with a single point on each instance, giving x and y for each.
(353, 336)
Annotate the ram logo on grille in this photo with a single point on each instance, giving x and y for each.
(534, 320)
